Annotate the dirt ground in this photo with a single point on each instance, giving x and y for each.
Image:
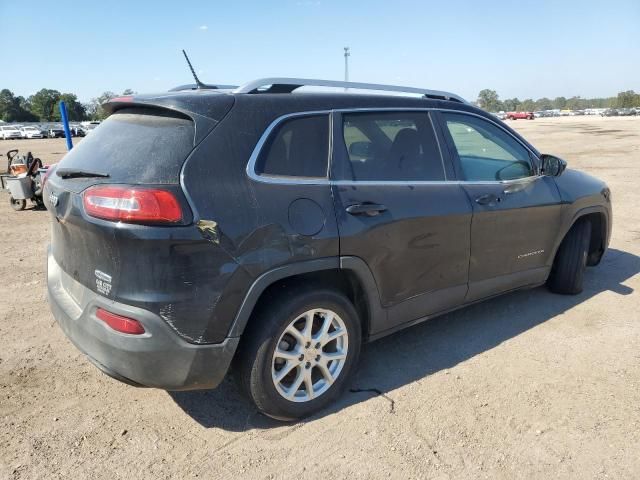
(527, 386)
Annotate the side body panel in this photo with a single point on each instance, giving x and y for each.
(514, 228)
(417, 249)
(246, 221)
(512, 239)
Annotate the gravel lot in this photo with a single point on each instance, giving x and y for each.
(529, 385)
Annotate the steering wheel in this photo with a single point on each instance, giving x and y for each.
(522, 163)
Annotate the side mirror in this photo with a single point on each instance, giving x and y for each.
(360, 149)
(552, 166)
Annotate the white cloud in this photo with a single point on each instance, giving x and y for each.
(203, 27)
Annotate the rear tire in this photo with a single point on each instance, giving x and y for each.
(313, 380)
(567, 273)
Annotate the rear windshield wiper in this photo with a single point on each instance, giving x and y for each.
(78, 173)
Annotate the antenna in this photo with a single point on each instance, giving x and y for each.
(199, 84)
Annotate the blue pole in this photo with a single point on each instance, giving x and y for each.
(65, 124)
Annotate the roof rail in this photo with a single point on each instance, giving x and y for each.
(204, 86)
(288, 85)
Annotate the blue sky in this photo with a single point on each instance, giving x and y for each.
(519, 48)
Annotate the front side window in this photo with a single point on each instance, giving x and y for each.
(299, 147)
(390, 146)
(486, 152)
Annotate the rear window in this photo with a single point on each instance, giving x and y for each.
(136, 145)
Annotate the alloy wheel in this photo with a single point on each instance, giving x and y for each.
(309, 355)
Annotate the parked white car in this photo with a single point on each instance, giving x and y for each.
(31, 132)
(8, 132)
(89, 126)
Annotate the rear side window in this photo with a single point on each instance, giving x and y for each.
(136, 145)
(299, 147)
(391, 146)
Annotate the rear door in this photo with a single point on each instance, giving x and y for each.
(516, 211)
(399, 211)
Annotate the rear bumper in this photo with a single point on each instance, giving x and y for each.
(158, 358)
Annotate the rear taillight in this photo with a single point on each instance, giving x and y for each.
(48, 173)
(119, 323)
(132, 204)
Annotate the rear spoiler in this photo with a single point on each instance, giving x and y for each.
(206, 111)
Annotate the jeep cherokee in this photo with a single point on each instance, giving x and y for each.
(270, 231)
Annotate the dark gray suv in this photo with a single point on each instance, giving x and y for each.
(269, 231)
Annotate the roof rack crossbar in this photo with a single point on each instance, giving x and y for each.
(288, 85)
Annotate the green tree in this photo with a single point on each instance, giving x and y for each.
(94, 108)
(489, 100)
(7, 105)
(13, 109)
(627, 99)
(75, 110)
(528, 105)
(544, 104)
(511, 104)
(560, 102)
(44, 104)
(128, 91)
(575, 103)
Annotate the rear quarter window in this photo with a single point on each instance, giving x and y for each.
(136, 145)
(299, 147)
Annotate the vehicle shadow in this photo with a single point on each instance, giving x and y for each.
(419, 351)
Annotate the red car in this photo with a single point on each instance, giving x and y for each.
(520, 116)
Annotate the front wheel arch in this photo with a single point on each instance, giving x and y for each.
(599, 233)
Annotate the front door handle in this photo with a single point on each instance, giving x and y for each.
(369, 209)
(514, 188)
(488, 199)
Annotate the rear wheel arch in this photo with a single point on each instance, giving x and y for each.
(347, 275)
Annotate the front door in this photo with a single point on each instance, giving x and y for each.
(398, 212)
(516, 212)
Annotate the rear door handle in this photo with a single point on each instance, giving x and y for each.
(488, 199)
(369, 209)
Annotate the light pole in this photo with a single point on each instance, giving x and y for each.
(346, 63)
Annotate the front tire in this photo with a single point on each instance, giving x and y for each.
(567, 273)
(299, 351)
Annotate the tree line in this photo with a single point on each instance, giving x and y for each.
(490, 101)
(43, 106)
